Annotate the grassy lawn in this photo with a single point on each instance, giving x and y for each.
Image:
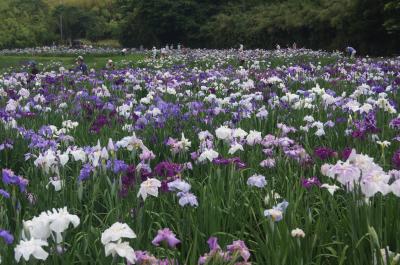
(93, 61)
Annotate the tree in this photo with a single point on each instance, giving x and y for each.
(24, 23)
(392, 17)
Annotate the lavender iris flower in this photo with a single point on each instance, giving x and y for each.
(166, 235)
(7, 236)
(4, 193)
(187, 198)
(308, 183)
(84, 174)
(213, 243)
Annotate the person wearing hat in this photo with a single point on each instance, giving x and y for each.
(81, 66)
(110, 65)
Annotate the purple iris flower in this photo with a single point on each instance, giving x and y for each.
(213, 243)
(240, 247)
(7, 236)
(84, 174)
(187, 198)
(395, 123)
(324, 153)
(7, 144)
(346, 153)
(166, 235)
(118, 166)
(4, 193)
(167, 169)
(310, 182)
(128, 180)
(9, 178)
(396, 159)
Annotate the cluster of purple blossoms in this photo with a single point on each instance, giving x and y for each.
(324, 153)
(7, 144)
(167, 169)
(169, 172)
(237, 253)
(365, 126)
(346, 153)
(100, 121)
(4, 194)
(85, 172)
(145, 258)
(298, 153)
(395, 123)
(310, 182)
(117, 166)
(228, 161)
(128, 180)
(9, 178)
(396, 159)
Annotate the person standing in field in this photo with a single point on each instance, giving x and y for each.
(351, 51)
(34, 70)
(241, 55)
(81, 66)
(163, 53)
(154, 52)
(110, 65)
(32, 73)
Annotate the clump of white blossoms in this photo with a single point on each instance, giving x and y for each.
(208, 154)
(111, 238)
(223, 133)
(149, 187)
(298, 233)
(37, 231)
(32, 247)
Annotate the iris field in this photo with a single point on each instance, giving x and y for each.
(290, 157)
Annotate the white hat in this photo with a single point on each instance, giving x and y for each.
(110, 61)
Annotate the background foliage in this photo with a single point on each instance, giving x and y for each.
(371, 26)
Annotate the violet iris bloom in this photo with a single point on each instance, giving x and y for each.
(239, 246)
(7, 236)
(308, 183)
(213, 243)
(166, 235)
(396, 159)
(9, 178)
(324, 153)
(4, 193)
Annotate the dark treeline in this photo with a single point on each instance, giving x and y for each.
(371, 26)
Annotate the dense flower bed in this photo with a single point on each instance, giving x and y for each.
(291, 158)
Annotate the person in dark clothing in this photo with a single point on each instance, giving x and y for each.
(351, 51)
(32, 74)
(81, 66)
(34, 69)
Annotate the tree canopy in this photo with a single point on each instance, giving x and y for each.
(371, 26)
